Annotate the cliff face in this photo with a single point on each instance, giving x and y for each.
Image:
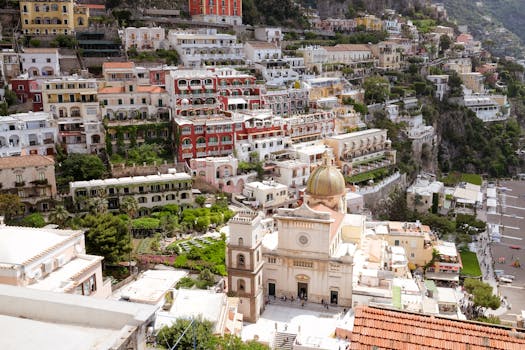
(339, 8)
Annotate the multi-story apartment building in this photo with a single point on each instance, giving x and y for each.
(285, 102)
(206, 47)
(217, 11)
(204, 136)
(28, 133)
(441, 84)
(292, 173)
(52, 260)
(192, 92)
(149, 191)
(310, 127)
(30, 177)
(9, 65)
(237, 90)
(362, 151)
(135, 111)
(388, 55)
(277, 72)
(74, 103)
(221, 173)
(257, 51)
(28, 90)
(267, 195)
(143, 38)
(53, 17)
(447, 264)
(258, 134)
(40, 61)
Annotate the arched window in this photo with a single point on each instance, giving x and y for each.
(240, 260)
(241, 241)
(258, 257)
(241, 286)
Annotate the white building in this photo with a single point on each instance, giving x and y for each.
(40, 62)
(206, 47)
(143, 38)
(28, 133)
(292, 173)
(423, 193)
(441, 84)
(270, 35)
(52, 321)
(277, 73)
(257, 51)
(51, 260)
(149, 191)
(266, 195)
(486, 108)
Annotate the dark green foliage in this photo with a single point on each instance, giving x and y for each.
(33, 220)
(66, 41)
(376, 89)
(10, 206)
(108, 236)
(482, 293)
(82, 167)
(199, 333)
(283, 13)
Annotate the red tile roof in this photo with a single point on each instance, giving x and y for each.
(150, 88)
(111, 90)
(25, 161)
(376, 328)
(111, 65)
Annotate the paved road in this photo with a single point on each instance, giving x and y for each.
(510, 217)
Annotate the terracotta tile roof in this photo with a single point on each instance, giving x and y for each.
(150, 88)
(347, 47)
(111, 90)
(25, 161)
(337, 216)
(376, 328)
(40, 50)
(110, 65)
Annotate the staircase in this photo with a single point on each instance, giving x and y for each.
(283, 341)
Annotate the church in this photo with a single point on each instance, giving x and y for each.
(306, 258)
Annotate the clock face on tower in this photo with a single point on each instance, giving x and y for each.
(303, 239)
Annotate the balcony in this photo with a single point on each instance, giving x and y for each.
(42, 182)
(20, 183)
(48, 141)
(187, 146)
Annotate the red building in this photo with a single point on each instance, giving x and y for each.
(28, 89)
(219, 11)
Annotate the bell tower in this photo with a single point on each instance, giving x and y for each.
(244, 263)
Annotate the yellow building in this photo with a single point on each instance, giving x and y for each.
(53, 17)
(370, 22)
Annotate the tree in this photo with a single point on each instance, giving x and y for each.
(33, 220)
(444, 43)
(10, 206)
(188, 332)
(482, 293)
(202, 223)
(200, 200)
(376, 89)
(98, 205)
(82, 167)
(129, 206)
(107, 235)
(59, 216)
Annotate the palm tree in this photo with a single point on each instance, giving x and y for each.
(129, 206)
(59, 215)
(98, 205)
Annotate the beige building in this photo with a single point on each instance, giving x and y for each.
(362, 151)
(51, 260)
(149, 191)
(423, 193)
(30, 177)
(74, 103)
(266, 195)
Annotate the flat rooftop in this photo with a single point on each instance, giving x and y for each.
(20, 244)
(130, 180)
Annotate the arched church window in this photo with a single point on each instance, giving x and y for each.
(241, 241)
(240, 285)
(240, 260)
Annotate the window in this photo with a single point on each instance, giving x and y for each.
(241, 286)
(41, 176)
(19, 178)
(240, 261)
(143, 101)
(272, 260)
(241, 241)
(87, 287)
(64, 9)
(48, 60)
(396, 242)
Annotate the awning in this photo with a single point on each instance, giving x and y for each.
(237, 101)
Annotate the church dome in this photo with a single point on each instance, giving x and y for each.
(326, 180)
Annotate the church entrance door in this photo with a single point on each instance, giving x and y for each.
(334, 297)
(271, 289)
(302, 290)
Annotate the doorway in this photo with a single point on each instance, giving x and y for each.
(334, 296)
(302, 290)
(271, 289)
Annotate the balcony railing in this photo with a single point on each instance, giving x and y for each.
(20, 183)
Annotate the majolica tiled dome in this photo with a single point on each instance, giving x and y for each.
(326, 180)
